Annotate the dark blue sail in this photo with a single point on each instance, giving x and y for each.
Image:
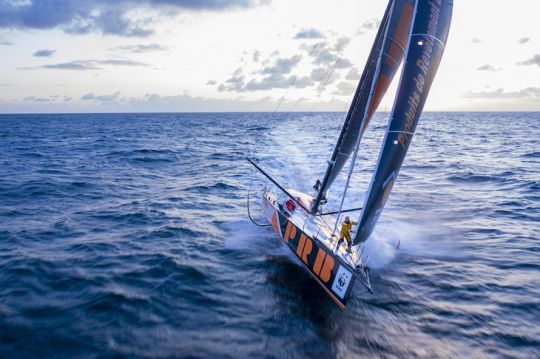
(429, 33)
(386, 55)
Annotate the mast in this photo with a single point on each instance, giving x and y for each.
(366, 115)
(341, 154)
(428, 37)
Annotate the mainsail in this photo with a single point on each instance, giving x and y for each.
(384, 59)
(431, 25)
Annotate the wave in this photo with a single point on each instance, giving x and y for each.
(219, 186)
(136, 224)
(535, 154)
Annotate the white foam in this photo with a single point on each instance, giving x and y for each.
(245, 236)
(426, 239)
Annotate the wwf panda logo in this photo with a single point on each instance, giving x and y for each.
(342, 280)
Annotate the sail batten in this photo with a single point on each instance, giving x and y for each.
(428, 37)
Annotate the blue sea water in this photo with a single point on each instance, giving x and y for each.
(126, 235)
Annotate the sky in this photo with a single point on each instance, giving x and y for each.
(248, 55)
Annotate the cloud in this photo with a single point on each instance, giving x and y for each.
(85, 65)
(212, 82)
(527, 93)
(277, 71)
(368, 25)
(107, 17)
(324, 54)
(353, 74)
(102, 98)
(535, 60)
(274, 75)
(138, 49)
(328, 78)
(309, 34)
(524, 40)
(234, 83)
(37, 99)
(488, 67)
(74, 65)
(476, 40)
(188, 103)
(282, 65)
(256, 56)
(324, 76)
(44, 53)
(278, 81)
(345, 88)
(6, 43)
(153, 102)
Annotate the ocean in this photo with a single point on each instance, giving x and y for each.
(126, 235)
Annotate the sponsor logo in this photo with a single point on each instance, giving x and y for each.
(341, 282)
(315, 258)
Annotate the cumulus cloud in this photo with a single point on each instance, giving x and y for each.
(282, 65)
(235, 83)
(107, 17)
(353, 74)
(488, 67)
(324, 54)
(345, 88)
(85, 65)
(524, 40)
(142, 48)
(44, 53)
(276, 74)
(212, 82)
(369, 25)
(309, 34)
(527, 93)
(281, 72)
(535, 60)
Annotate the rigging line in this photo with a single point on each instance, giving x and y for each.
(249, 212)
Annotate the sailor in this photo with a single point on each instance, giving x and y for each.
(345, 232)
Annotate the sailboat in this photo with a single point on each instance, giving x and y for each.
(413, 31)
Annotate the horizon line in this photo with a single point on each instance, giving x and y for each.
(215, 112)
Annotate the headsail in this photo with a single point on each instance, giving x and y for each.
(431, 25)
(389, 47)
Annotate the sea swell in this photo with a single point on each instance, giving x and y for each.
(127, 235)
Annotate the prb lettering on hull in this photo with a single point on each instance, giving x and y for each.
(322, 264)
